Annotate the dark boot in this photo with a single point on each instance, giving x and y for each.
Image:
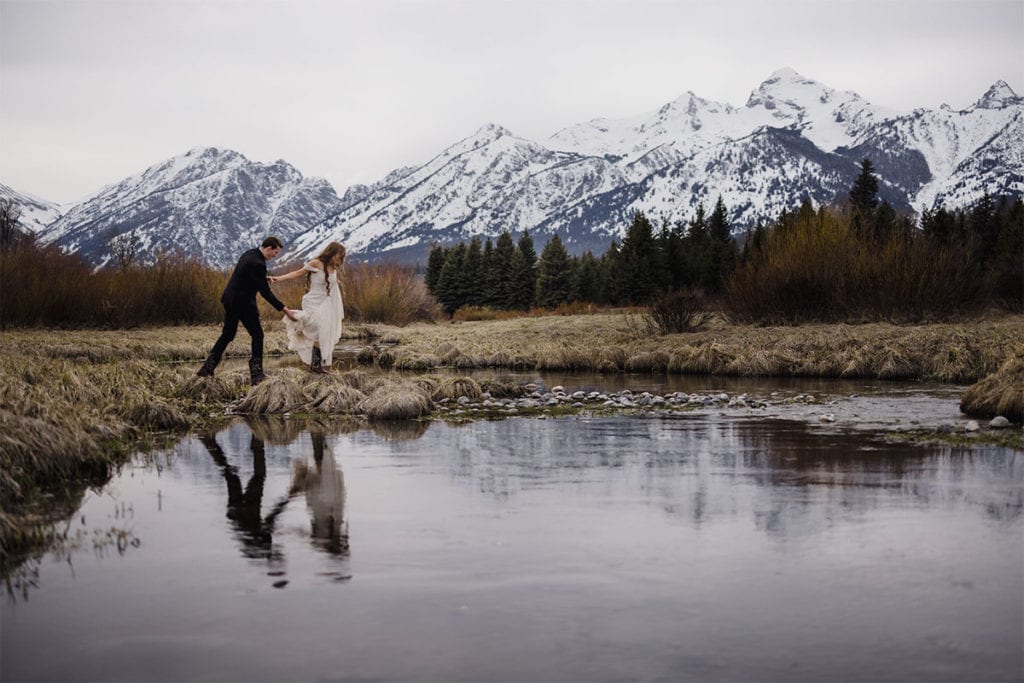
(316, 362)
(256, 372)
(209, 365)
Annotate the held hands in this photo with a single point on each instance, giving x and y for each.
(272, 279)
(290, 313)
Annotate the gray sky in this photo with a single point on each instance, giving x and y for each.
(94, 90)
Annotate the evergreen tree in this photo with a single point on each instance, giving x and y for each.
(524, 274)
(674, 256)
(721, 255)
(939, 225)
(472, 274)
(450, 284)
(638, 261)
(697, 246)
(554, 274)
(612, 288)
(586, 281)
(488, 277)
(434, 264)
(864, 193)
(983, 229)
(501, 266)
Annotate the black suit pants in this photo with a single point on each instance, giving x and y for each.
(249, 316)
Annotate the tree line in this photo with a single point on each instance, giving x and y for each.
(509, 275)
(701, 255)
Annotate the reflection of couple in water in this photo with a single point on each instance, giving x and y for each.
(321, 480)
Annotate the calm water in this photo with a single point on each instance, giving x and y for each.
(704, 547)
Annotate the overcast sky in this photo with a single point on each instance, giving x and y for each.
(94, 90)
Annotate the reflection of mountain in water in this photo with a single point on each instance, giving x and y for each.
(789, 477)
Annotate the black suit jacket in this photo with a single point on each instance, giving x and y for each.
(248, 278)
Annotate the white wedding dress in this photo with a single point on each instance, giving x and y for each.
(320, 318)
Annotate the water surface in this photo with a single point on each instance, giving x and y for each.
(701, 547)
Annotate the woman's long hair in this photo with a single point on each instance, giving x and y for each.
(333, 250)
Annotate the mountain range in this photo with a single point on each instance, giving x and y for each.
(794, 138)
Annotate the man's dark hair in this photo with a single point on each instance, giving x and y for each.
(272, 242)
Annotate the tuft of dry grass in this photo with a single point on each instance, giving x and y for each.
(454, 387)
(648, 361)
(156, 414)
(278, 393)
(335, 399)
(400, 400)
(416, 362)
(1001, 393)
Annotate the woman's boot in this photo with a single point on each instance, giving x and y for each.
(316, 363)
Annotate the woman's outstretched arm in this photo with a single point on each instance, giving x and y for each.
(316, 265)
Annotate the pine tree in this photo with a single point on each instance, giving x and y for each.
(488, 277)
(697, 246)
(524, 274)
(721, 255)
(501, 266)
(586, 281)
(472, 274)
(450, 284)
(864, 193)
(435, 262)
(554, 274)
(638, 261)
(612, 287)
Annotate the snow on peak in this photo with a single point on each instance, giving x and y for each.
(998, 96)
(786, 93)
(492, 131)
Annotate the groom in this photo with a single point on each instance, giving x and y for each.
(239, 299)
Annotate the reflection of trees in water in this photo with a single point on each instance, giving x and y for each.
(785, 474)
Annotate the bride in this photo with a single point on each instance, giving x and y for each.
(317, 327)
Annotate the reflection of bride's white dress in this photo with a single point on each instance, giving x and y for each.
(324, 485)
(320, 318)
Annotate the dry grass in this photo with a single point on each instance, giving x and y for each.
(963, 352)
(402, 400)
(454, 387)
(1001, 393)
(335, 399)
(279, 393)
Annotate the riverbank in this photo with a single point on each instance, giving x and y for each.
(75, 404)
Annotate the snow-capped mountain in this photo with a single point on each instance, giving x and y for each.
(793, 138)
(35, 213)
(208, 202)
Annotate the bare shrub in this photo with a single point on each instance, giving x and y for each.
(678, 310)
(820, 267)
(387, 293)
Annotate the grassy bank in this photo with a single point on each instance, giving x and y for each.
(74, 404)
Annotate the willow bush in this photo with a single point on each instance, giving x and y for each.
(820, 267)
